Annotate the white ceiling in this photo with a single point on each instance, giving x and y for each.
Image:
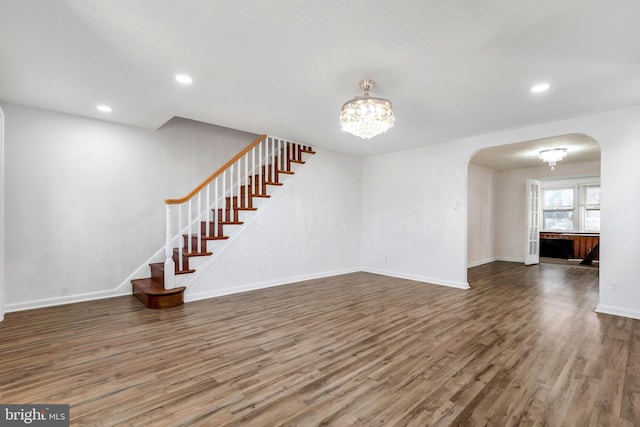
(452, 68)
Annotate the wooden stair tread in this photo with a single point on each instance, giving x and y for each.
(154, 295)
(192, 254)
(160, 267)
(152, 287)
(239, 208)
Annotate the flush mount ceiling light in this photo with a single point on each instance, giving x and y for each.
(552, 156)
(366, 116)
(184, 79)
(542, 87)
(104, 108)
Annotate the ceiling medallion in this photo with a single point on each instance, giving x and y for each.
(366, 116)
(552, 156)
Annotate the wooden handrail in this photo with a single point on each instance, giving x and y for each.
(216, 173)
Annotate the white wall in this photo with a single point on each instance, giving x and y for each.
(310, 229)
(411, 226)
(414, 214)
(85, 198)
(480, 215)
(510, 203)
(2, 270)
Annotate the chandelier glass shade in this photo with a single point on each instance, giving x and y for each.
(552, 156)
(366, 116)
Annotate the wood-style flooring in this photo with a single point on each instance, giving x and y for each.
(522, 347)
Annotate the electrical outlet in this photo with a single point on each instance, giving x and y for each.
(615, 287)
(64, 291)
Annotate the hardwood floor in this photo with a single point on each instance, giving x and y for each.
(523, 346)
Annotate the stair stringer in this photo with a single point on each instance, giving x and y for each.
(203, 264)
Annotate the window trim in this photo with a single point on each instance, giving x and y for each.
(580, 206)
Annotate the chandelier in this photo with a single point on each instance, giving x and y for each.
(365, 116)
(552, 156)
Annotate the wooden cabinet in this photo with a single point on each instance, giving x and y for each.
(583, 243)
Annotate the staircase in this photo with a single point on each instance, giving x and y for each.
(205, 216)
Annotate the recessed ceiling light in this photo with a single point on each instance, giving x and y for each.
(104, 108)
(184, 79)
(540, 87)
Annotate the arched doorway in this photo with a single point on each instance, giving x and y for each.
(497, 192)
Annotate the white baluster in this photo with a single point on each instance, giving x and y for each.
(287, 154)
(260, 170)
(246, 180)
(273, 161)
(267, 160)
(253, 170)
(198, 227)
(230, 192)
(169, 265)
(215, 206)
(280, 154)
(189, 217)
(180, 239)
(238, 182)
(207, 212)
(224, 200)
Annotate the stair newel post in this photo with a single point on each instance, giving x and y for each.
(169, 265)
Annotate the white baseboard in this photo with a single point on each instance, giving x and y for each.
(507, 259)
(212, 293)
(493, 259)
(617, 311)
(70, 299)
(481, 262)
(430, 280)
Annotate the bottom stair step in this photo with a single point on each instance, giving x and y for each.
(153, 295)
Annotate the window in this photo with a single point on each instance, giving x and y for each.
(572, 205)
(592, 208)
(558, 209)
